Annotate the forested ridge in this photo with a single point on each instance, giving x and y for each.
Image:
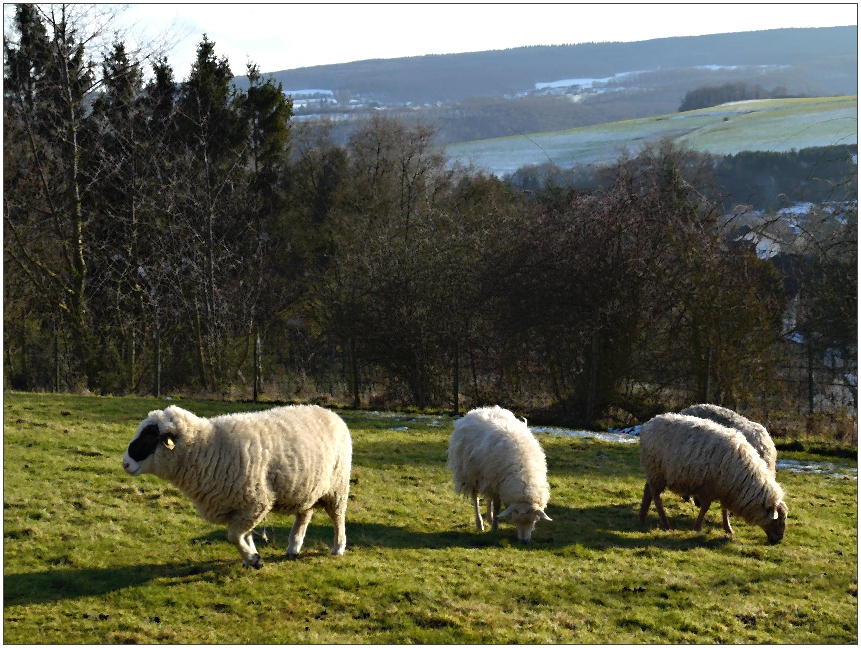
(481, 95)
(446, 77)
(190, 238)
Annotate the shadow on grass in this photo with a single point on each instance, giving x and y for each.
(592, 528)
(69, 583)
(598, 527)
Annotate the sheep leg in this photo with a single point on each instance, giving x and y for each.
(726, 524)
(249, 541)
(297, 533)
(659, 505)
(497, 507)
(479, 523)
(704, 507)
(338, 513)
(647, 500)
(239, 536)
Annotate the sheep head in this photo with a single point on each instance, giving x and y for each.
(155, 435)
(524, 517)
(776, 527)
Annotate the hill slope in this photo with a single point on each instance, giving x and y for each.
(822, 58)
(763, 125)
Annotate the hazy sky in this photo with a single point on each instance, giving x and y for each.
(279, 37)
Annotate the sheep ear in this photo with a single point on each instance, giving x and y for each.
(543, 516)
(774, 513)
(507, 511)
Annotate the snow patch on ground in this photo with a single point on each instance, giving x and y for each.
(620, 435)
(817, 468)
(610, 435)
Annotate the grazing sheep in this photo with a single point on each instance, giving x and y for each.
(236, 468)
(494, 454)
(756, 435)
(695, 456)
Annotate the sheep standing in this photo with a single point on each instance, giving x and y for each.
(695, 456)
(492, 453)
(236, 468)
(756, 435)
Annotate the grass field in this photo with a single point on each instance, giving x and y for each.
(762, 125)
(92, 555)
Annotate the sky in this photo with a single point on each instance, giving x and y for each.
(280, 37)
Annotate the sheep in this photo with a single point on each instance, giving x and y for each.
(695, 456)
(236, 468)
(494, 454)
(756, 435)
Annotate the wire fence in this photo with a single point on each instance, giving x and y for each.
(815, 380)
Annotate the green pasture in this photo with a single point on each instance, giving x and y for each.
(92, 555)
(776, 125)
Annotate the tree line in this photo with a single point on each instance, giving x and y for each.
(155, 231)
(708, 96)
(761, 180)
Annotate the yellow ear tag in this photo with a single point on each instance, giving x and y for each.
(169, 444)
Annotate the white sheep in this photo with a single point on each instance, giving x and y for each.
(756, 435)
(494, 454)
(236, 468)
(696, 456)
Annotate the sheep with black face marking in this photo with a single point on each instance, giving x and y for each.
(697, 457)
(494, 454)
(236, 468)
(756, 435)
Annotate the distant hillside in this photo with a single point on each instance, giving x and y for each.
(816, 61)
(765, 125)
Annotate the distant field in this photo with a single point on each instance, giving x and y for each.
(762, 125)
(92, 555)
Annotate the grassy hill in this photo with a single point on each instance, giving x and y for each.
(761, 125)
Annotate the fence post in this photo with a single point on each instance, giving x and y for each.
(707, 375)
(355, 374)
(257, 362)
(456, 378)
(25, 373)
(130, 361)
(810, 389)
(157, 363)
(593, 376)
(56, 363)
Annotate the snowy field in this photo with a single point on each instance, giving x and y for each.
(762, 125)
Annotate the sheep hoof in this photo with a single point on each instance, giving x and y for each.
(292, 556)
(338, 551)
(256, 562)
